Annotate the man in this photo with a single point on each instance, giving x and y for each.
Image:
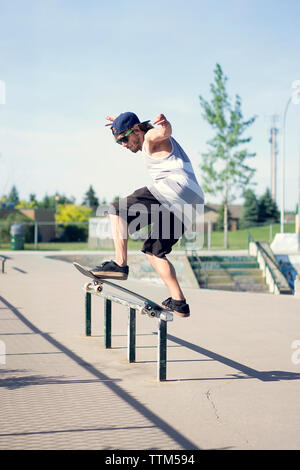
(174, 188)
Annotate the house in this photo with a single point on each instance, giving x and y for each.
(46, 231)
(211, 214)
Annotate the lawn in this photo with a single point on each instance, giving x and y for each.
(237, 240)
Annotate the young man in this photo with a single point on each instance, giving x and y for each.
(174, 188)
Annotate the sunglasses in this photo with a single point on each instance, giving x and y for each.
(124, 139)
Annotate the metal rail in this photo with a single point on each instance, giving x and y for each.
(133, 306)
(2, 259)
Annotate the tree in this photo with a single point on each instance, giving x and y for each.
(33, 199)
(63, 199)
(250, 213)
(72, 213)
(220, 219)
(13, 197)
(48, 202)
(25, 205)
(68, 213)
(268, 211)
(224, 169)
(90, 199)
(51, 202)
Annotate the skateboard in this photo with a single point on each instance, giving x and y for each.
(145, 305)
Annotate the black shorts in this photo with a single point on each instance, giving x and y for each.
(142, 209)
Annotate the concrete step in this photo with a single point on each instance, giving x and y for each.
(236, 280)
(231, 272)
(235, 273)
(217, 265)
(238, 287)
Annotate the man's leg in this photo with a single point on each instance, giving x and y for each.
(167, 273)
(119, 230)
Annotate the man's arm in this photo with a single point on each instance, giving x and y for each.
(157, 140)
(154, 136)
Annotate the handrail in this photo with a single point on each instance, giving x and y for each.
(195, 255)
(266, 259)
(133, 306)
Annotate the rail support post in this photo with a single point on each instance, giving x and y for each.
(3, 259)
(162, 351)
(88, 302)
(131, 334)
(107, 323)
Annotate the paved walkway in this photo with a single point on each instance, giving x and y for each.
(233, 375)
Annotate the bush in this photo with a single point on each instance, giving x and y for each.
(72, 233)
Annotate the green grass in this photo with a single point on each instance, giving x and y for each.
(237, 240)
(49, 246)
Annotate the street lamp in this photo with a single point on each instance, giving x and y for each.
(298, 224)
(295, 98)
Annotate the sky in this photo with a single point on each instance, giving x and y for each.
(66, 64)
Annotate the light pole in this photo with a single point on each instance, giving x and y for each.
(298, 224)
(295, 98)
(283, 166)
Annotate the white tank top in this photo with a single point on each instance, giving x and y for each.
(174, 181)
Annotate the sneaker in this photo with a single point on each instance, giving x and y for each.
(110, 269)
(180, 307)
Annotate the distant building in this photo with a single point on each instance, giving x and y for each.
(211, 214)
(46, 232)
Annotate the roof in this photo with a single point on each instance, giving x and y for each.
(234, 209)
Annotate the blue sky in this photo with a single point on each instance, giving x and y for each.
(68, 63)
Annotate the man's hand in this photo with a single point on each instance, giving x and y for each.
(111, 119)
(161, 120)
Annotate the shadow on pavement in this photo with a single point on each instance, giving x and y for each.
(265, 376)
(156, 420)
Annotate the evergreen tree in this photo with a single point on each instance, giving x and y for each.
(224, 169)
(32, 198)
(13, 197)
(51, 202)
(250, 213)
(90, 199)
(48, 202)
(268, 211)
(63, 199)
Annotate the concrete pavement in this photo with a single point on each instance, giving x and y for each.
(233, 373)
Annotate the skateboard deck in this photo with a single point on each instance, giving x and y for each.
(145, 305)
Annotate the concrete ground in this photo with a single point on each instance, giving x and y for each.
(233, 372)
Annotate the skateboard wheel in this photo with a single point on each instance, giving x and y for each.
(98, 288)
(87, 286)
